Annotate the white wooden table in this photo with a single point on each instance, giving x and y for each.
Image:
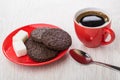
(17, 13)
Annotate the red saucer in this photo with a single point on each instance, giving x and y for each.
(25, 60)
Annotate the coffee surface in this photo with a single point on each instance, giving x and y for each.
(92, 18)
(92, 21)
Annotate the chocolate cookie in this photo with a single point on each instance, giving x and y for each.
(39, 52)
(37, 33)
(56, 39)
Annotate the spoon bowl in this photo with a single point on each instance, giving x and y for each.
(80, 56)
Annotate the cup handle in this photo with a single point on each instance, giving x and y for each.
(112, 35)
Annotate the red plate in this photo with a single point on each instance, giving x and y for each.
(25, 60)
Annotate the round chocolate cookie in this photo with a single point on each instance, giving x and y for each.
(56, 39)
(39, 52)
(37, 33)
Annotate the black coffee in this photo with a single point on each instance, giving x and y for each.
(92, 19)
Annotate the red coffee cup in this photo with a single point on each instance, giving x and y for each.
(93, 36)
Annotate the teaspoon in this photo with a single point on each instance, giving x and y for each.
(84, 58)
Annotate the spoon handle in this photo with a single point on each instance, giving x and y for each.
(108, 65)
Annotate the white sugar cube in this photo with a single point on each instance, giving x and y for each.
(19, 48)
(21, 35)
